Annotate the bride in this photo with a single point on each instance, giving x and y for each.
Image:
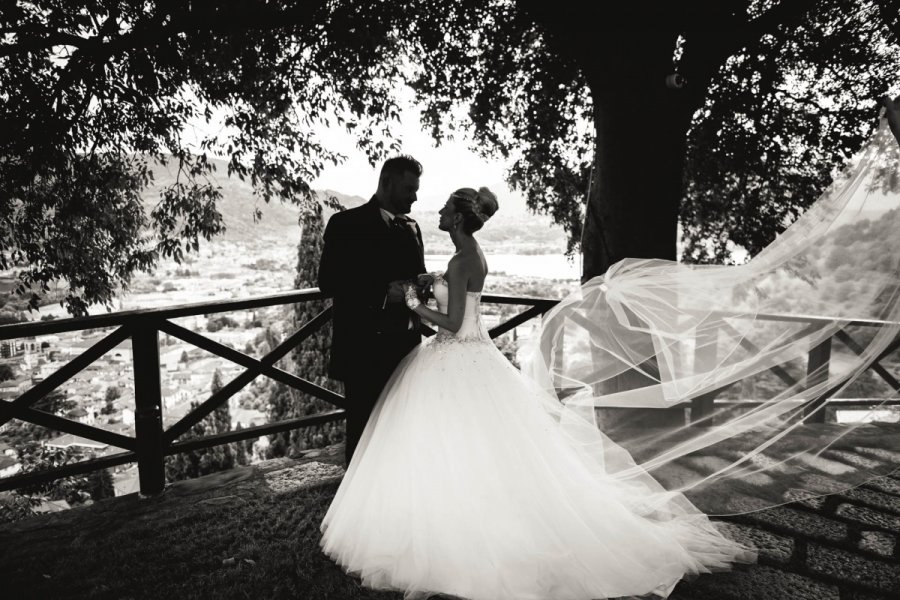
(476, 481)
(465, 485)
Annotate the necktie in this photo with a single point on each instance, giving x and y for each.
(400, 224)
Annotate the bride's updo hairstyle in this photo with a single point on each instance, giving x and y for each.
(476, 207)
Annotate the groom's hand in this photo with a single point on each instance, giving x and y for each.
(423, 286)
(395, 291)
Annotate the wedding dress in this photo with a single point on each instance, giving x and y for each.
(466, 483)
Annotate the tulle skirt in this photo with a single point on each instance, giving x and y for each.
(463, 484)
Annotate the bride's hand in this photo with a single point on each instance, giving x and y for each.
(411, 297)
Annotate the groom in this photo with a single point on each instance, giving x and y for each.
(369, 251)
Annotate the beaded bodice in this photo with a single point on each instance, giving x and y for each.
(472, 327)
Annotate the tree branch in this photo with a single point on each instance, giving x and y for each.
(889, 10)
(150, 31)
(787, 13)
(707, 48)
(30, 44)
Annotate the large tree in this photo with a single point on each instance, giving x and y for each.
(729, 115)
(574, 94)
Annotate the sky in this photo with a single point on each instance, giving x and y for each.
(447, 167)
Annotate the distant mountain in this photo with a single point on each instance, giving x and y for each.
(238, 202)
(346, 200)
(511, 230)
(512, 203)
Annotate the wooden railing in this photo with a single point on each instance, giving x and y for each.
(817, 365)
(152, 442)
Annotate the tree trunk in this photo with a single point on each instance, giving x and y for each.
(641, 131)
(626, 51)
(641, 127)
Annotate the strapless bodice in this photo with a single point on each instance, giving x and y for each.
(472, 327)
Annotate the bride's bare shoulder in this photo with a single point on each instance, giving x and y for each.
(467, 262)
(468, 267)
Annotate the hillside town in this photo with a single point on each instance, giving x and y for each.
(102, 394)
(250, 259)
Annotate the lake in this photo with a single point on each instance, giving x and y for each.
(545, 266)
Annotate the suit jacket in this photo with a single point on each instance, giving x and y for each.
(361, 256)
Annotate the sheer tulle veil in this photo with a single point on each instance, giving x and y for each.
(712, 379)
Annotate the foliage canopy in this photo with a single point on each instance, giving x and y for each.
(780, 94)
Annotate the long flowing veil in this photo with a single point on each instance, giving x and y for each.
(716, 380)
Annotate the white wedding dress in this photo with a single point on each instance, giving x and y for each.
(463, 484)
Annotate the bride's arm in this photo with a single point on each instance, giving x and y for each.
(457, 282)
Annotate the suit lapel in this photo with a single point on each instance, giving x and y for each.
(378, 224)
(420, 244)
(376, 217)
(416, 238)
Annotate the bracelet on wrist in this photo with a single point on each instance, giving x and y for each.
(412, 300)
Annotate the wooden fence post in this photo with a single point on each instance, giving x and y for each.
(817, 372)
(705, 350)
(148, 412)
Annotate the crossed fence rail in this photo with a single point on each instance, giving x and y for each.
(152, 442)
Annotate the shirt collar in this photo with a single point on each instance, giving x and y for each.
(387, 215)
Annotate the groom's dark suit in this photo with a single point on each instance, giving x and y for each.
(362, 255)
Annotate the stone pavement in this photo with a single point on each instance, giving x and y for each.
(840, 547)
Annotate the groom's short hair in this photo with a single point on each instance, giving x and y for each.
(398, 165)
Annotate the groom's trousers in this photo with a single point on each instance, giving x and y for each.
(364, 384)
(361, 394)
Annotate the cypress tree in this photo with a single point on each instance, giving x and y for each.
(310, 357)
(100, 484)
(209, 460)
